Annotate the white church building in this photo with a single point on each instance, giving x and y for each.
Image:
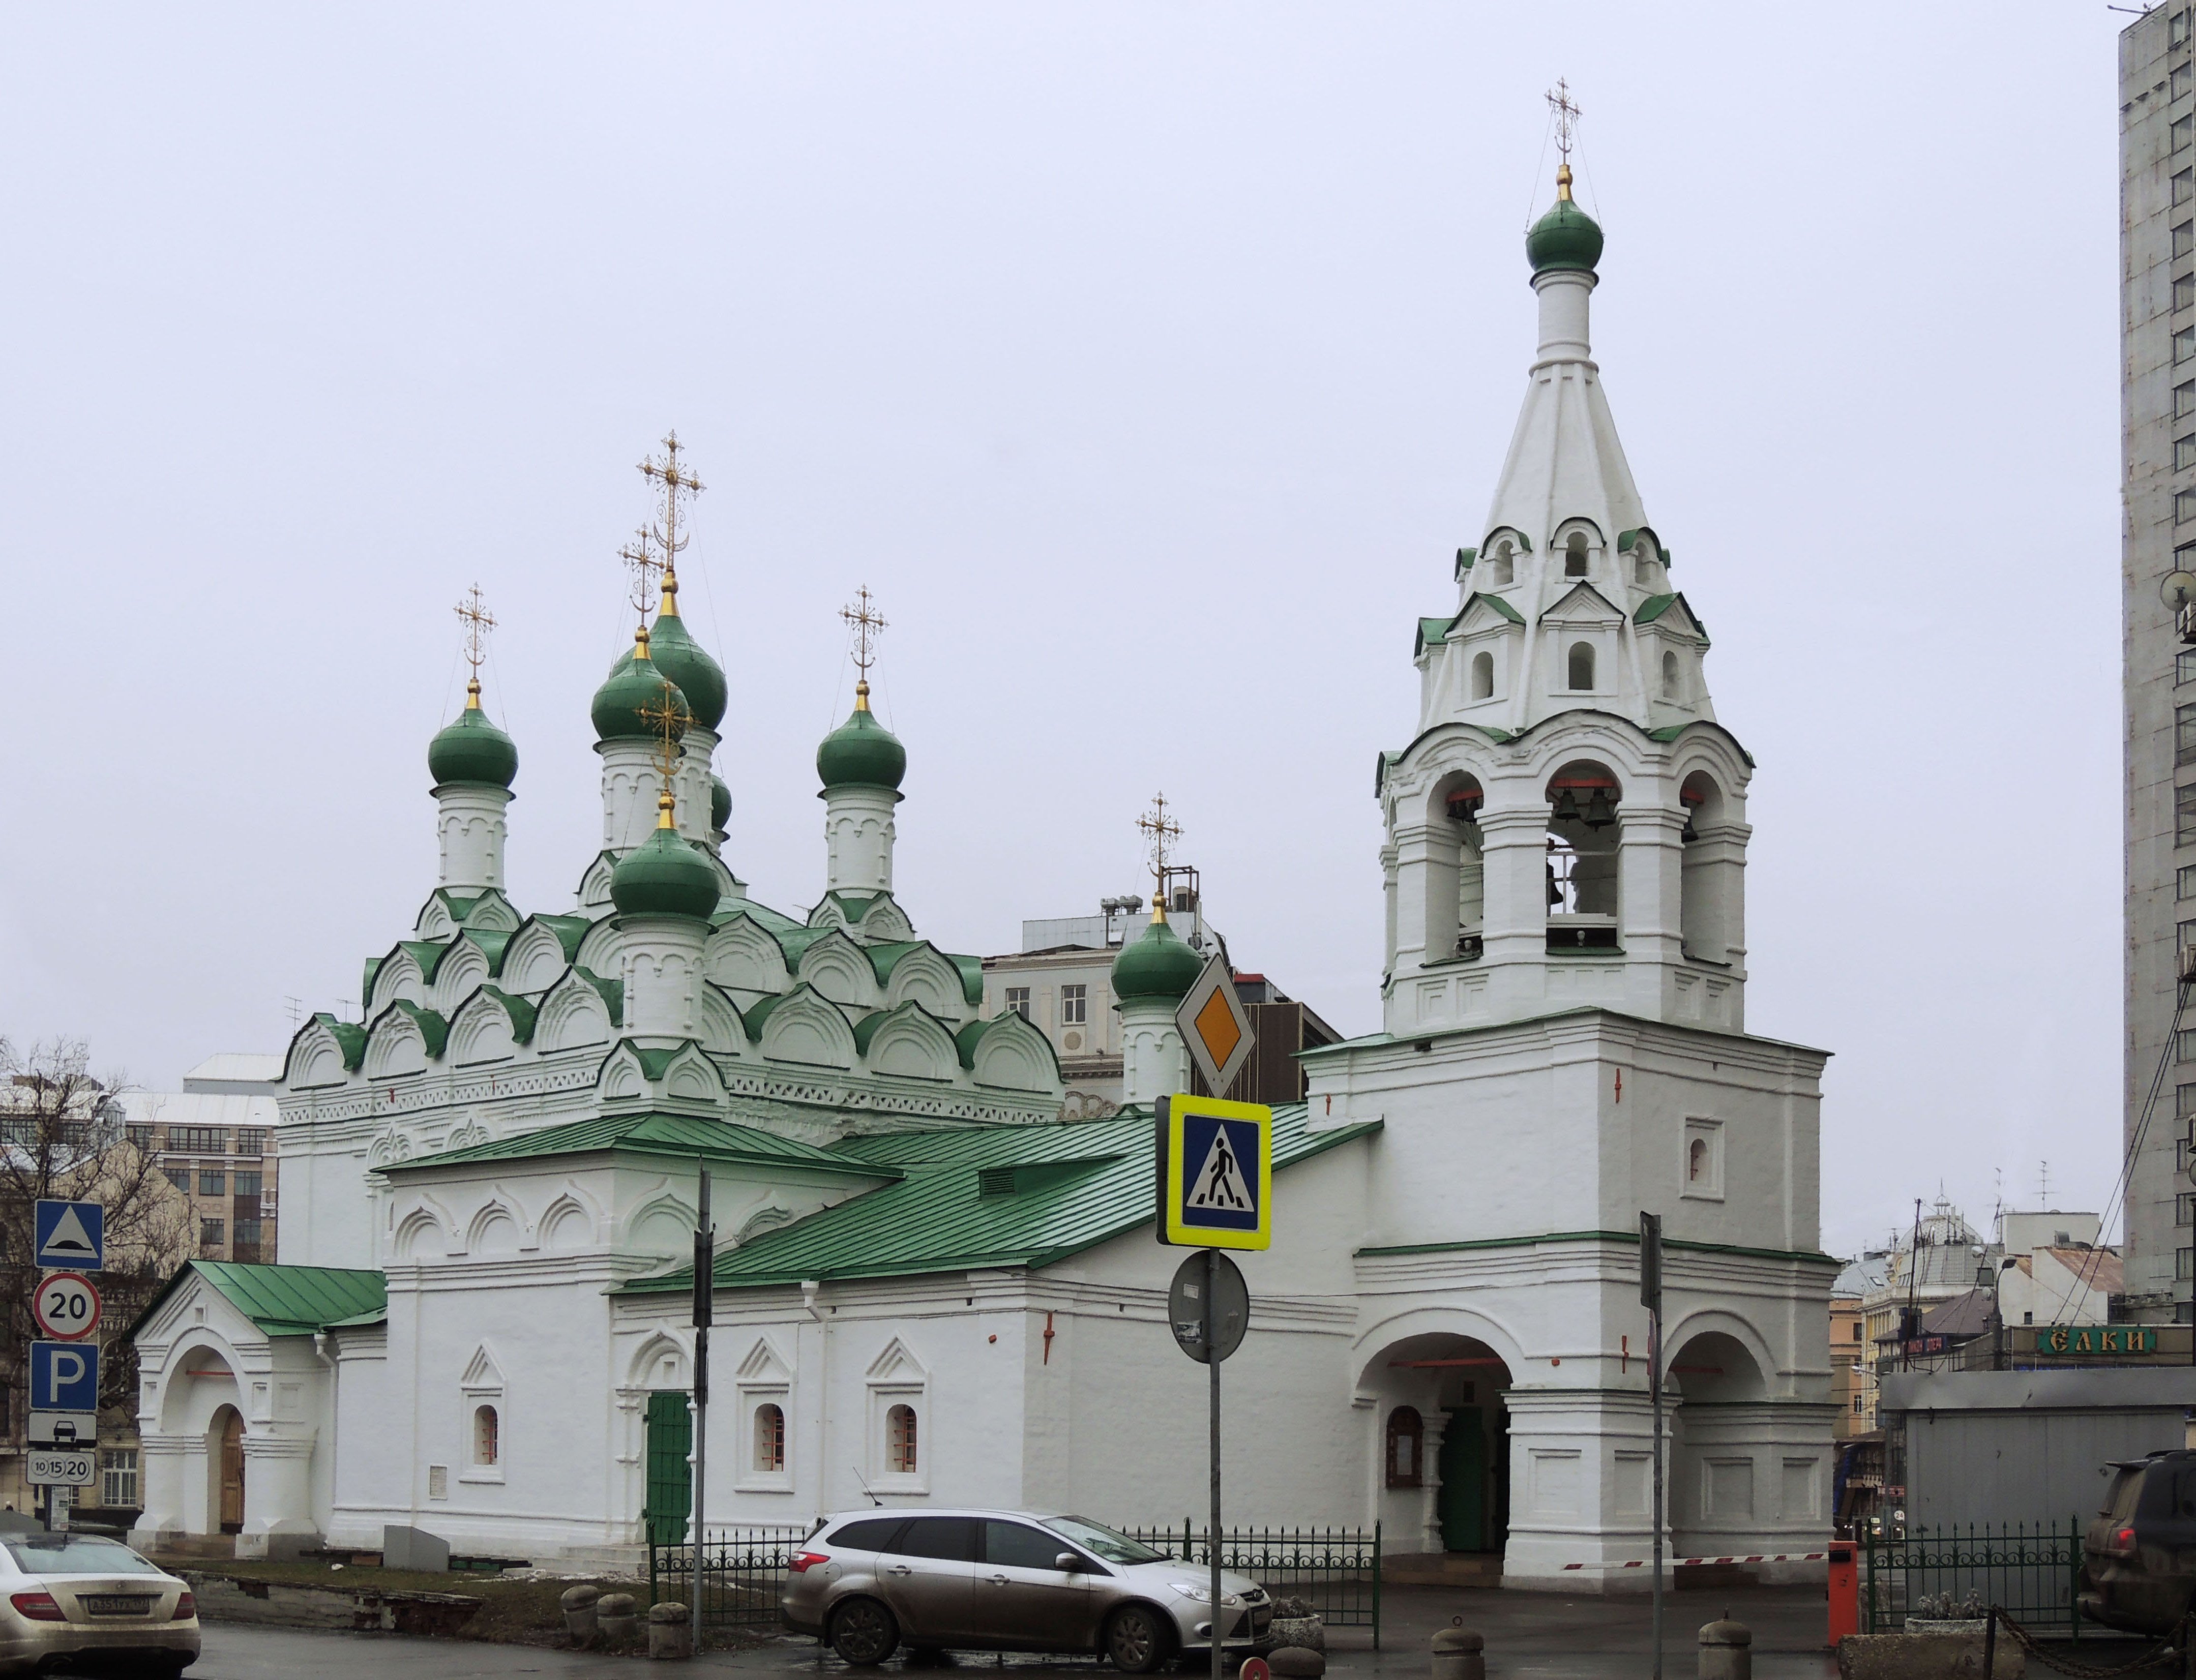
(929, 1288)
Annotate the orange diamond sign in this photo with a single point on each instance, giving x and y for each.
(1215, 1028)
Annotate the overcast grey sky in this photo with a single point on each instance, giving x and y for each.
(1149, 361)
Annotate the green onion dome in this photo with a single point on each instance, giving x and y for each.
(861, 753)
(720, 804)
(664, 875)
(472, 749)
(635, 683)
(678, 656)
(1566, 237)
(1158, 965)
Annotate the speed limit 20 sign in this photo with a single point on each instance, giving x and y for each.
(66, 1307)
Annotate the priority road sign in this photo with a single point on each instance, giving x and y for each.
(60, 1467)
(64, 1376)
(1215, 1173)
(1214, 1027)
(66, 1307)
(71, 1236)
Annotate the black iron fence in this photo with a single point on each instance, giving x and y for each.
(1334, 1571)
(743, 1571)
(2031, 1571)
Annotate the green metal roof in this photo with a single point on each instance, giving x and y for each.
(985, 1195)
(1653, 607)
(682, 1135)
(287, 1300)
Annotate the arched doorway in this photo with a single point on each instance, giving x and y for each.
(1444, 1481)
(1723, 1483)
(228, 1434)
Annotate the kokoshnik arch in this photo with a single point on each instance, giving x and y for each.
(928, 1287)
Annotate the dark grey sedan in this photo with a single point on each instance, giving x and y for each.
(872, 1581)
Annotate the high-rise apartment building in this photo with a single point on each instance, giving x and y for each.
(2157, 442)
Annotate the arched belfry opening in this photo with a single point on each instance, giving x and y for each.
(1584, 833)
(1461, 800)
(1443, 1485)
(1706, 879)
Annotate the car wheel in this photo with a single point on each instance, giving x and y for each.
(1137, 1639)
(863, 1632)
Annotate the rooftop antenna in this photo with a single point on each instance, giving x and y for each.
(2044, 1185)
(676, 485)
(1160, 832)
(472, 608)
(640, 557)
(1566, 114)
(296, 1006)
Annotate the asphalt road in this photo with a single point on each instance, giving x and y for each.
(1528, 1635)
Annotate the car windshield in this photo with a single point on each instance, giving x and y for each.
(1110, 1544)
(75, 1555)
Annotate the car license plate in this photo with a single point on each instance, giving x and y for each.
(115, 1604)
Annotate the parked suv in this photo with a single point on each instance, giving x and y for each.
(2139, 1556)
(871, 1581)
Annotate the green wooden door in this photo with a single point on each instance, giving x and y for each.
(1464, 1483)
(670, 1483)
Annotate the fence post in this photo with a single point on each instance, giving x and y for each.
(1868, 1565)
(651, 1559)
(1376, 1585)
(2074, 1577)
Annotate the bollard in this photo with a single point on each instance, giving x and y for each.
(1459, 1652)
(579, 1604)
(1295, 1662)
(617, 1615)
(1844, 1591)
(670, 1633)
(1726, 1650)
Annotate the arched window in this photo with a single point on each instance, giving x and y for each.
(1483, 676)
(899, 1440)
(1696, 1161)
(1709, 879)
(1671, 684)
(488, 1442)
(1575, 556)
(769, 1437)
(1501, 569)
(1406, 1447)
(1581, 666)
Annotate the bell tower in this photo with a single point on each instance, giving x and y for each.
(1568, 824)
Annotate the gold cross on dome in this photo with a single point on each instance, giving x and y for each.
(478, 620)
(673, 481)
(1566, 114)
(865, 622)
(1160, 832)
(667, 722)
(639, 558)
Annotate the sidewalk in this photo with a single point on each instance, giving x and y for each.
(1529, 1634)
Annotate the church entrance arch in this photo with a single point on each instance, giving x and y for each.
(1444, 1481)
(227, 1456)
(1723, 1474)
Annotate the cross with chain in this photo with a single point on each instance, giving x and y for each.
(667, 721)
(640, 560)
(674, 481)
(1160, 831)
(478, 620)
(1567, 115)
(864, 623)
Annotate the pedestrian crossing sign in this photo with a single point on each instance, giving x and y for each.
(1215, 1173)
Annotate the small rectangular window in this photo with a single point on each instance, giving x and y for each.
(2184, 345)
(2184, 1208)
(247, 1183)
(2184, 292)
(247, 1230)
(210, 1233)
(2184, 240)
(2183, 80)
(2184, 1264)
(2184, 881)
(1017, 1001)
(2184, 398)
(2184, 1107)
(209, 1180)
(2184, 668)
(2177, 30)
(2184, 1046)
(180, 1177)
(198, 1141)
(118, 1478)
(2184, 816)
(1074, 1005)
(251, 1141)
(2184, 132)
(2184, 451)
(2184, 187)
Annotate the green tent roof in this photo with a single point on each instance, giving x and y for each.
(288, 1299)
(986, 1196)
(686, 1137)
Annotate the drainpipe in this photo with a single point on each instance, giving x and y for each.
(810, 1288)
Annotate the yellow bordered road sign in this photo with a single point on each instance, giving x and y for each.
(1214, 1025)
(1215, 1173)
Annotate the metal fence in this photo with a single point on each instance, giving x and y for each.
(2029, 1570)
(1335, 1571)
(743, 1572)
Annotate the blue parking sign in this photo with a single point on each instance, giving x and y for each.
(71, 1236)
(64, 1376)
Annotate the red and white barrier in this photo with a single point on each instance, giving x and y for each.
(1758, 1557)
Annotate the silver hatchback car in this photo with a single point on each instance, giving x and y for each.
(872, 1581)
(78, 1600)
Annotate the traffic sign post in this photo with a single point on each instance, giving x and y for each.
(70, 1236)
(67, 1307)
(64, 1376)
(1216, 1027)
(60, 1467)
(1651, 1297)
